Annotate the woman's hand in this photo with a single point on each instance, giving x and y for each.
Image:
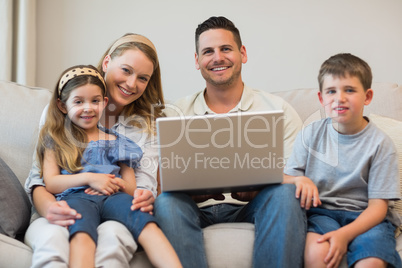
(60, 213)
(143, 200)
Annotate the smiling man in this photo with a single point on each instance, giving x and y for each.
(280, 223)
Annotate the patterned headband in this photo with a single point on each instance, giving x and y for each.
(131, 38)
(79, 71)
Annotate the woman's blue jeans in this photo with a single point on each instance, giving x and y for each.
(280, 226)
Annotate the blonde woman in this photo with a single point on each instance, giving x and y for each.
(132, 75)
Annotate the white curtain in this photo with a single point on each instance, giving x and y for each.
(18, 41)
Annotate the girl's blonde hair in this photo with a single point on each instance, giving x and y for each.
(150, 105)
(67, 140)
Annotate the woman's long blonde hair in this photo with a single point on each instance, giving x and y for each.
(59, 134)
(150, 105)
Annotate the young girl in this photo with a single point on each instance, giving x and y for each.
(75, 155)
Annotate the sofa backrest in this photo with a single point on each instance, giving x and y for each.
(20, 111)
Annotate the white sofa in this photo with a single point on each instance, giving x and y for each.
(227, 245)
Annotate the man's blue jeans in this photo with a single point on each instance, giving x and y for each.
(280, 226)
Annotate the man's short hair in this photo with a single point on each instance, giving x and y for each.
(217, 23)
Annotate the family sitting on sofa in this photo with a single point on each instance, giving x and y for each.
(325, 209)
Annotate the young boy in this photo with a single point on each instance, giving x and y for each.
(353, 166)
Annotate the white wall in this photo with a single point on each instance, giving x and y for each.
(286, 40)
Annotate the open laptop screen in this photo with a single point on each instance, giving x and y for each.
(220, 152)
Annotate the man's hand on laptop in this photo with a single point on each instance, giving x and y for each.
(245, 196)
(204, 197)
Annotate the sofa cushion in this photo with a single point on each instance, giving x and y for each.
(14, 204)
(21, 108)
(224, 239)
(393, 128)
(14, 253)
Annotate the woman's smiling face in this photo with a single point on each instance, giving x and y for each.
(127, 77)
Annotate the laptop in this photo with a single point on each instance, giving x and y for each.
(220, 153)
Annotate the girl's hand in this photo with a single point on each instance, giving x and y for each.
(106, 184)
(60, 213)
(92, 191)
(338, 245)
(307, 191)
(143, 200)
